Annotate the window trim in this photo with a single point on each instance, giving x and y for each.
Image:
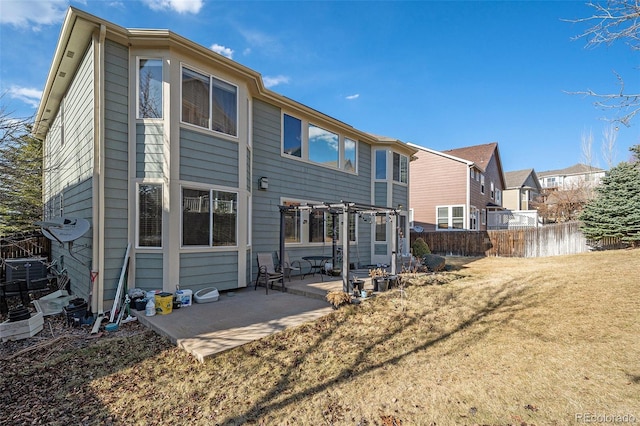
(212, 77)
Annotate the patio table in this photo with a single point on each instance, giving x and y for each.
(316, 263)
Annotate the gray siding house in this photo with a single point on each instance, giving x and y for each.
(184, 156)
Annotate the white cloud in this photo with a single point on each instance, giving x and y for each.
(27, 95)
(224, 51)
(351, 97)
(180, 6)
(274, 81)
(34, 14)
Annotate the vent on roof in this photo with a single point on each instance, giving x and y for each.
(70, 54)
(62, 74)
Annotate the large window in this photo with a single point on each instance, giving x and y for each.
(149, 215)
(400, 168)
(209, 218)
(450, 217)
(311, 142)
(209, 102)
(150, 88)
(323, 146)
(351, 227)
(307, 225)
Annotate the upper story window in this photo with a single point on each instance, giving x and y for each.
(149, 88)
(399, 163)
(481, 183)
(493, 191)
(323, 146)
(292, 136)
(350, 155)
(310, 142)
(209, 102)
(381, 164)
(400, 168)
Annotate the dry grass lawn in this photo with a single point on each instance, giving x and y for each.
(494, 341)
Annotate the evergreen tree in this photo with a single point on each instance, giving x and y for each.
(20, 176)
(615, 211)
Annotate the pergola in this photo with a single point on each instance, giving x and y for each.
(343, 208)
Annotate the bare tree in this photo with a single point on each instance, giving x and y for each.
(616, 20)
(587, 148)
(609, 136)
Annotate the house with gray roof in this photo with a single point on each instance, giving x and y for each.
(522, 188)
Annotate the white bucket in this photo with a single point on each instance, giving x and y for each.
(184, 297)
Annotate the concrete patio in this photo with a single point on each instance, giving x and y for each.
(243, 315)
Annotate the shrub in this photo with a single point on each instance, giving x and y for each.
(420, 248)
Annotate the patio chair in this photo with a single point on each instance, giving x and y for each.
(267, 273)
(289, 266)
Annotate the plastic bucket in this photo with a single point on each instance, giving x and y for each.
(184, 297)
(164, 303)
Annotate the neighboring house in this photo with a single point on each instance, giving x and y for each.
(522, 188)
(184, 154)
(455, 189)
(566, 191)
(576, 176)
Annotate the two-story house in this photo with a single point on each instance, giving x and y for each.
(455, 189)
(576, 176)
(522, 189)
(187, 158)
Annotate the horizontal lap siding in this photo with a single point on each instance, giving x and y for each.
(208, 159)
(70, 170)
(148, 271)
(436, 181)
(149, 150)
(400, 193)
(201, 270)
(116, 164)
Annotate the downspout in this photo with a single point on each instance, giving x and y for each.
(97, 302)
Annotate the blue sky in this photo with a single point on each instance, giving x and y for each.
(439, 74)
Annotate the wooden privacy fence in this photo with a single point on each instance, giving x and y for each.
(549, 240)
(24, 245)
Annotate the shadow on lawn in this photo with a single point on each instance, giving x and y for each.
(505, 300)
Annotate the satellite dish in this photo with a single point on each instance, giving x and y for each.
(418, 228)
(64, 229)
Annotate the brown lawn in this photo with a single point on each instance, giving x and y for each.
(492, 341)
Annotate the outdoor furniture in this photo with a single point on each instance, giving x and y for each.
(267, 273)
(289, 266)
(316, 263)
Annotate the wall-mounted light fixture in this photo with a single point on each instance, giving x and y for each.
(263, 183)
